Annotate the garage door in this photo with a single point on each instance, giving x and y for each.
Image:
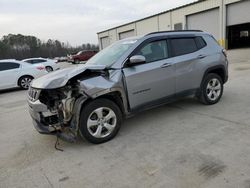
(104, 42)
(207, 21)
(238, 13)
(126, 34)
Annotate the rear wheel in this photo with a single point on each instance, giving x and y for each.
(24, 82)
(100, 121)
(211, 89)
(49, 69)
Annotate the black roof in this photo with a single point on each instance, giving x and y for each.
(174, 31)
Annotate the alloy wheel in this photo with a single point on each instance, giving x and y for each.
(213, 89)
(101, 122)
(49, 69)
(25, 82)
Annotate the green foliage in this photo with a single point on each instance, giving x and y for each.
(21, 47)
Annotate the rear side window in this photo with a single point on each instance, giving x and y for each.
(39, 61)
(8, 66)
(183, 46)
(29, 61)
(154, 51)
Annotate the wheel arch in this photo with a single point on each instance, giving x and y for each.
(219, 70)
(114, 95)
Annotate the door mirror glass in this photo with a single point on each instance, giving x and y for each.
(137, 59)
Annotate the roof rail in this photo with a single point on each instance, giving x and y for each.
(173, 31)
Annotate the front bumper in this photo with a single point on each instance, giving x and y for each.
(37, 110)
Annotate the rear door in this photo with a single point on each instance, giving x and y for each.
(9, 72)
(188, 54)
(154, 80)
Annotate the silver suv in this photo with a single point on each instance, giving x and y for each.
(127, 77)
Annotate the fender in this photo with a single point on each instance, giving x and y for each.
(113, 90)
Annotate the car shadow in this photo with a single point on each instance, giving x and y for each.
(161, 112)
(10, 90)
(140, 120)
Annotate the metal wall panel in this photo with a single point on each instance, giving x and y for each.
(126, 34)
(207, 21)
(178, 26)
(104, 42)
(238, 13)
(147, 26)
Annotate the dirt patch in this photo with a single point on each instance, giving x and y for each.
(195, 169)
(64, 178)
(242, 68)
(247, 184)
(211, 169)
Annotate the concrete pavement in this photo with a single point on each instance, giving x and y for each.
(181, 145)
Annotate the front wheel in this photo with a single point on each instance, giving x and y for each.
(24, 82)
(77, 61)
(211, 89)
(100, 121)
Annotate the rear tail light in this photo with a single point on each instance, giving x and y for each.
(224, 52)
(40, 68)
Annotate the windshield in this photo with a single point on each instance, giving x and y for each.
(79, 53)
(111, 54)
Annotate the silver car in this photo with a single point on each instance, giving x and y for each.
(127, 77)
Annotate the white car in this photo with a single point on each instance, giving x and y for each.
(15, 73)
(49, 64)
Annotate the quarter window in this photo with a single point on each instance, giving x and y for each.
(154, 51)
(8, 66)
(200, 42)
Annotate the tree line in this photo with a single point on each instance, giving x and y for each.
(21, 47)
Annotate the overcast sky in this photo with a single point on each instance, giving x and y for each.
(74, 21)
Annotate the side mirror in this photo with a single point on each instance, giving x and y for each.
(137, 59)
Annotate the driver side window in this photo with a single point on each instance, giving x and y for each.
(154, 51)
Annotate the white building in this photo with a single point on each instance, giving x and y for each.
(227, 20)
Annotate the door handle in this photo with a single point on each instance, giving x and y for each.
(166, 65)
(201, 56)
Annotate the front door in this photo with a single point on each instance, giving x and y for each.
(151, 82)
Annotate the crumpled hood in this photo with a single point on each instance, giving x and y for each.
(60, 78)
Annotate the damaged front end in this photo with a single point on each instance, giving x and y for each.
(52, 111)
(55, 100)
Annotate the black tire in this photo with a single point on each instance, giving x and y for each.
(49, 68)
(205, 91)
(25, 81)
(77, 61)
(88, 112)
